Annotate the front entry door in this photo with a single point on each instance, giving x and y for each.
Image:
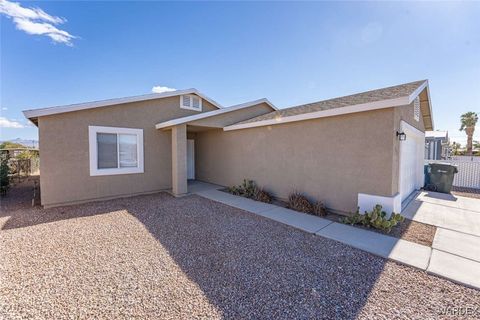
(190, 159)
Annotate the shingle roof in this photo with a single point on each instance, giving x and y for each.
(398, 91)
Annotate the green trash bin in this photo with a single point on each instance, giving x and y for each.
(440, 177)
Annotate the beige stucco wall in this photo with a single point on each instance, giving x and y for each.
(331, 159)
(65, 176)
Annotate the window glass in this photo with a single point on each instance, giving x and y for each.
(128, 150)
(107, 150)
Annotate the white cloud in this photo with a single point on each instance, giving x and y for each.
(6, 123)
(36, 21)
(4, 108)
(160, 89)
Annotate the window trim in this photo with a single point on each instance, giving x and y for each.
(93, 151)
(191, 99)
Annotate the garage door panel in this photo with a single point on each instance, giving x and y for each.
(411, 160)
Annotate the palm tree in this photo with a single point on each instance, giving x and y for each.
(469, 120)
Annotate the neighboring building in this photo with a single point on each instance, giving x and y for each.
(437, 145)
(349, 151)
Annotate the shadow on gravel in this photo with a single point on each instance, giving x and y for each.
(252, 267)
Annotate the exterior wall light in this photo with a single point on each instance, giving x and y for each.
(401, 136)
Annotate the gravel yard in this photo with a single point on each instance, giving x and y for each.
(162, 257)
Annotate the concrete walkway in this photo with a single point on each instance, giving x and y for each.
(456, 246)
(455, 256)
(446, 211)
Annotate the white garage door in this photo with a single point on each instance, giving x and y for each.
(411, 160)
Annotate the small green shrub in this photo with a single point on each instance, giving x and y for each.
(4, 179)
(375, 219)
(298, 202)
(263, 196)
(319, 209)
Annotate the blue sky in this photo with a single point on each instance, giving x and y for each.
(290, 53)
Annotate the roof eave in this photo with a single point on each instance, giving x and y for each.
(401, 101)
(35, 113)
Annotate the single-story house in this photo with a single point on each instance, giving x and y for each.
(356, 150)
(436, 145)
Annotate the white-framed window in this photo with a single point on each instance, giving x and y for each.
(115, 150)
(191, 102)
(416, 109)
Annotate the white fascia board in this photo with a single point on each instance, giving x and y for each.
(103, 103)
(417, 91)
(414, 94)
(324, 113)
(208, 114)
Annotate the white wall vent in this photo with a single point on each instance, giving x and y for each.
(191, 102)
(416, 109)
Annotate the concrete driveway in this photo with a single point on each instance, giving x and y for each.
(456, 246)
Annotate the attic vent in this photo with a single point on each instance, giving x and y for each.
(416, 109)
(196, 102)
(191, 102)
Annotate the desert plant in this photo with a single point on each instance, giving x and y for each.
(375, 219)
(262, 195)
(319, 209)
(235, 190)
(298, 202)
(248, 188)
